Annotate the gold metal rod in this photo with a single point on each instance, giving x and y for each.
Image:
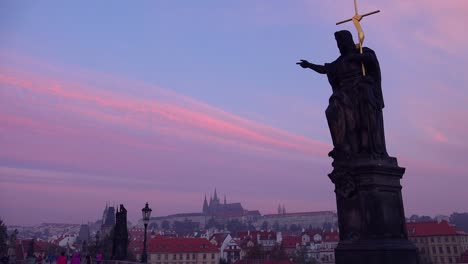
(344, 21)
(368, 14)
(371, 13)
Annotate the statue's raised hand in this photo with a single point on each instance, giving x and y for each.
(304, 64)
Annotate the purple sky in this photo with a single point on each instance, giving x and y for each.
(163, 101)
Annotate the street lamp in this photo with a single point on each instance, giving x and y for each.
(146, 216)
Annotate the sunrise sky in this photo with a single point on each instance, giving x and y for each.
(163, 101)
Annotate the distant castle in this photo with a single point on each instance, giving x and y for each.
(215, 208)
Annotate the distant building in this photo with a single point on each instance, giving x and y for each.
(291, 244)
(214, 208)
(230, 249)
(327, 248)
(438, 242)
(162, 250)
(83, 235)
(317, 244)
(463, 258)
(108, 220)
(266, 239)
(302, 219)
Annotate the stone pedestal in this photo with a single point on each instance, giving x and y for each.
(370, 213)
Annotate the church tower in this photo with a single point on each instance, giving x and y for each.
(215, 198)
(205, 206)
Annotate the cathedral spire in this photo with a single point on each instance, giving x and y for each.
(215, 196)
(205, 206)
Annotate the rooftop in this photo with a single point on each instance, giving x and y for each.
(180, 245)
(432, 228)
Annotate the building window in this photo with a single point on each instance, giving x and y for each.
(438, 239)
(448, 250)
(166, 257)
(455, 249)
(446, 239)
(174, 257)
(440, 250)
(187, 256)
(159, 256)
(434, 250)
(204, 255)
(453, 239)
(212, 255)
(450, 260)
(193, 256)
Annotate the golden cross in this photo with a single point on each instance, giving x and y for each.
(356, 19)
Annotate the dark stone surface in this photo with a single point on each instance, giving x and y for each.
(370, 214)
(370, 209)
(120, 238)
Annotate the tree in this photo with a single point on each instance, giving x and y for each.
(423, 218)
(294, 228)
(235, 226)
(165, 225)
(278, 253)
(276, 226)
(187, 227)
(264, 225)
(255, 252)
(153, 226)
(460, 220)
(213, 223)
(301, 257)
(3, 238)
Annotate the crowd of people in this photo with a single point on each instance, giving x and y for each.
(76, 258)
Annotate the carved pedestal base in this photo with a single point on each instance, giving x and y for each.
(370, 213)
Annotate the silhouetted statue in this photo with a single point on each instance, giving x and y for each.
(120, 239)
(354, 113)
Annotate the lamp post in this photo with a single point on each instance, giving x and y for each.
(146, 216)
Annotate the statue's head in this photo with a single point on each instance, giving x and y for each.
(345, 41)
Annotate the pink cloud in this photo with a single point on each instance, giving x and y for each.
(136, 112)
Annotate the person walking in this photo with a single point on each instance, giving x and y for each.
(76, 259)
(99, 258)
(62, 259)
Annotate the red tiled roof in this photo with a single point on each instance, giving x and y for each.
(180, 245)
(331, 236)
(431, 229)
(291, 241)
(219, 238)
(312, 232)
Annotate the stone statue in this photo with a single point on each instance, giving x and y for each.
(354, 113)
(369, 203)
(120, 236)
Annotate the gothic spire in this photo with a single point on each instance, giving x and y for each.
(205, 206)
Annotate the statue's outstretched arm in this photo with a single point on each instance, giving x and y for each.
(318, 68)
